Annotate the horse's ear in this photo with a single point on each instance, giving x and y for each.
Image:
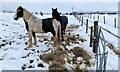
(55, 8)
(20, 7)
(52, 8)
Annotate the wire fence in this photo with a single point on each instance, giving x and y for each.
(101, 54)
(97, 40)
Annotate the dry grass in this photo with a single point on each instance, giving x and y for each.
(60, 52)
(71, 39)
(115, 50)
(80, 52)
(71, 28)
(48, 57)
(55, 67)
(56, 59)
(80, 70)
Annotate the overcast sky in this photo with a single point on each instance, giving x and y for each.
(59, 0)
(62, 5)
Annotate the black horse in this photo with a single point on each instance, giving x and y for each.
(62, 19)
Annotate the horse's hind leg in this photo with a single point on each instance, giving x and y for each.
(62, 32)
(64, 28)
(30, 39)
(34, 36)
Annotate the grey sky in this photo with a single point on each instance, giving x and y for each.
(62, 6)
(59, 0)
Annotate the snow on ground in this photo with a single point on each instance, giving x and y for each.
(13, 49)
(13, 42)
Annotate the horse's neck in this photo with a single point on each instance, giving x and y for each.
(26, 15)
(58, 17)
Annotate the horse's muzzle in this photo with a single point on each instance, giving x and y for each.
(15, 18)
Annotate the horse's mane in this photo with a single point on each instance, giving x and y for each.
(27, 14)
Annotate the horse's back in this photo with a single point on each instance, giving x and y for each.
(35, 24)
(64, 20)
(35, 20)
(47, 25)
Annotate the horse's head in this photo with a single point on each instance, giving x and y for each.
(55, 13)
(19, 13)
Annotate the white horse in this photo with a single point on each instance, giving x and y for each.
(36, 25)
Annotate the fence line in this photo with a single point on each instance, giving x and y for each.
(101, 37)
(102, 28)
(79, 19)
(115, 22)
(110, 32)
(101, 54)
(104, 20)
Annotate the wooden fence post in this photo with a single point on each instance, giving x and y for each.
(80, 17)
(86, 25)
(94, 17)
(91, 34)
(82, 21)
(104, 19)
(90, 16)
(77, 17)
(115, 22)
(98, 17)
(95, 36)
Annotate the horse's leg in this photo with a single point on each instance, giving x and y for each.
(53, 33)
(26, 25)
(64, 28)
(30, 39)
(59, 32)
(34, 36)
(55, 37)
(62, 32)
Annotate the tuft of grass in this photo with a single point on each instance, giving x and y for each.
(59, 51)
(48, 57)
(71, 39)
(78, 69)
(80, 52)
(56, 57)
(55, 67)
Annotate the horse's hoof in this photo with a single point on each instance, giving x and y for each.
(34, 44)
(37, 45)
(29, 46)
(62, 39)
